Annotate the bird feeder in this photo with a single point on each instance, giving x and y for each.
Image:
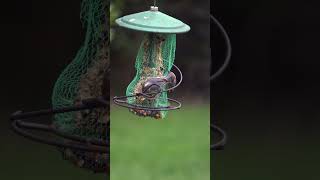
(80, 100)
(146, 95)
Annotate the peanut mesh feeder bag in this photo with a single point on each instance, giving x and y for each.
(147, 95)
(155, 59)
(80, 98)
(85, 78)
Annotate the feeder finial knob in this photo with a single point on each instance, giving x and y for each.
(154, 8)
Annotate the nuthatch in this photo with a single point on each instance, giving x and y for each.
(157, 84)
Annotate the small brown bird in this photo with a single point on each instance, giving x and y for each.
(157, 84)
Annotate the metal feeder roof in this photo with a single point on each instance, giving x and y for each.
(153, 21)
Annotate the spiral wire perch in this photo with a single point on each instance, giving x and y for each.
(122, 100)
(20, 126)
(221, 143)
(228, 51)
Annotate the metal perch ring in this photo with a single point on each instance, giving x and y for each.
(122, 100)
(20, 126)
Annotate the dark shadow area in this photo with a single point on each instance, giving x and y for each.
(38, 39)
(268, 99)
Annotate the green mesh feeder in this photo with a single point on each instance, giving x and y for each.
(147, 95)
(80, 100)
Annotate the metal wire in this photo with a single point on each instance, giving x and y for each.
(122, 100)
(221, 143)
(228, 51)
(75, 142)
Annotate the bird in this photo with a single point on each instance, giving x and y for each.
(155, 85)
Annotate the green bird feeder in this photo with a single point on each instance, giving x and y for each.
(153, 21)
(147, 95)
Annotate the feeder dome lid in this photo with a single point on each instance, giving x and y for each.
(153, 21)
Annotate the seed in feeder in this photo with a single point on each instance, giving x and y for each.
(157, 116)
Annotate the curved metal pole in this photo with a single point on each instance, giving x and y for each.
(75, 142)
(87, 147)
(221, 143)
(228, 51)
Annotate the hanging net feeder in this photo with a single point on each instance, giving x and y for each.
(80, 100)
(147, 94)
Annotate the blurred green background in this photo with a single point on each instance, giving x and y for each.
(39, 38)
(177, 147)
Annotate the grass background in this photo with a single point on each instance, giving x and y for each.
(175, 148)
